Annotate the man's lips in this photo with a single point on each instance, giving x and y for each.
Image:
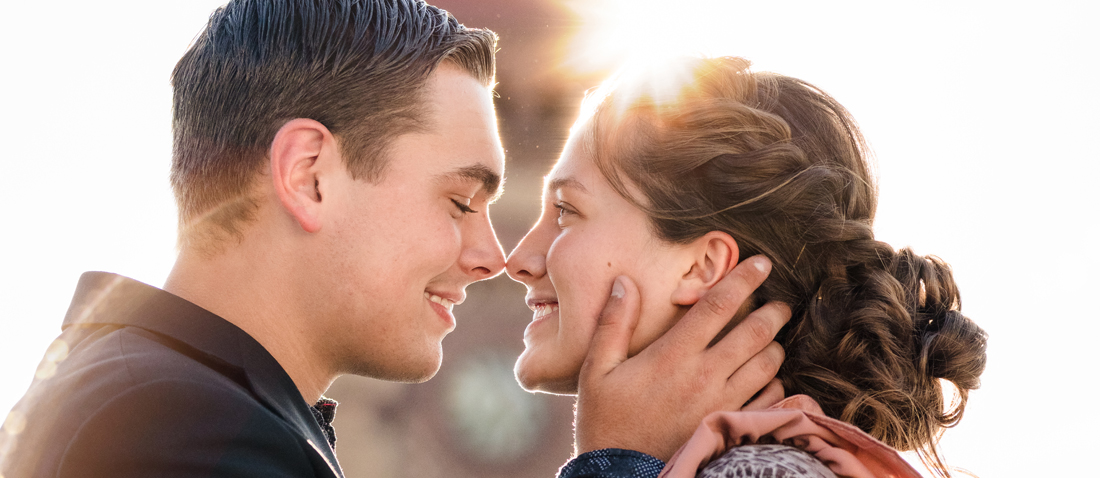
(445, 302)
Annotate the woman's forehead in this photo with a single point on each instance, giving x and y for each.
(571, 170)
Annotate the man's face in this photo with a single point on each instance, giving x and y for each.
(402, 250)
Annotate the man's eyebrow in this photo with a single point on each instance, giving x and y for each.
(490, 181)
(558, 183)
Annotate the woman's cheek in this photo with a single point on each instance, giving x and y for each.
(655, 321)
(641, 339)
(582, 270)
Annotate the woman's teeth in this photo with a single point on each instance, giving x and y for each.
(439, 300)
(542, 310)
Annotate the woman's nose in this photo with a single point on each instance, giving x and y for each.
(527, 261)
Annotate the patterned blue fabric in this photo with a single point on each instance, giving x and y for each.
(776, 461)
(612, 463)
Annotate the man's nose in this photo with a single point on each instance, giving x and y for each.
(484, 258)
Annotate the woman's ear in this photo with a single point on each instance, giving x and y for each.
(714, 254)
(294, 170)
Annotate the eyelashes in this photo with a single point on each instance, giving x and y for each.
(563, 212)
(462, 207)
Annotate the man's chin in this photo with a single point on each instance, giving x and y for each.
(422, 374)
(410, 377)
(408, 371)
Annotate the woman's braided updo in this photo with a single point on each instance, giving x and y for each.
(780, 166)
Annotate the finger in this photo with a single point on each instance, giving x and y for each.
(720, 304)
(754, 375)
(772, 394)
(614, 329)
(745, 340)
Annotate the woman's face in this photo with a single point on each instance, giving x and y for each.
(586, 236)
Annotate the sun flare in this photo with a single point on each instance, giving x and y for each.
(614, 33)
(656, 82)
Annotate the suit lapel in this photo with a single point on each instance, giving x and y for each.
(270, 383)
(104, 298)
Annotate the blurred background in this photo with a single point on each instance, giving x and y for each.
(983, 117)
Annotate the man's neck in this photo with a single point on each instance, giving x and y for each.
(246, 290)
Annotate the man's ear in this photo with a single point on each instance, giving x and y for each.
(295, 171)
(714, 254)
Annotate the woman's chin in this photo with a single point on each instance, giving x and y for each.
(534, 380)
(554, 388)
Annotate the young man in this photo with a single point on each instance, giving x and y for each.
(333, 165)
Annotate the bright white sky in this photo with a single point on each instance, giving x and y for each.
(983, 116)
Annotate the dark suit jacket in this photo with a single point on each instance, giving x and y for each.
(144, 383)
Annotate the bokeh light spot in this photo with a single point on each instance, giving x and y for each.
(15, 423)
(57, 351)
(46, 370)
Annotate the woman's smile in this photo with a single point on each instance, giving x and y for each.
(543, 310)
(584, 225)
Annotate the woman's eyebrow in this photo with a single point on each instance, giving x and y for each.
(568, 182)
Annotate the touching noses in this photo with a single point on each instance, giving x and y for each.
(527, 261)
(482, 257)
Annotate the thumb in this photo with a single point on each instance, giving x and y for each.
(614, 329)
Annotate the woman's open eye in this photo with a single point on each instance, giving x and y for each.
(464, 207)
(563, 212)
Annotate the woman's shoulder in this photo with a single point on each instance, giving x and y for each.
(751, 461)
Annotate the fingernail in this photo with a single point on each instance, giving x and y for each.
(761, 263)
(617, 290)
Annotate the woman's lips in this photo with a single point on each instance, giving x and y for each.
(545, 312)
(542, 310)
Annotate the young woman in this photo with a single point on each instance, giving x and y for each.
(671, 177)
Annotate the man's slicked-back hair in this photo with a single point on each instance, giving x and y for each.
(356, 66)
